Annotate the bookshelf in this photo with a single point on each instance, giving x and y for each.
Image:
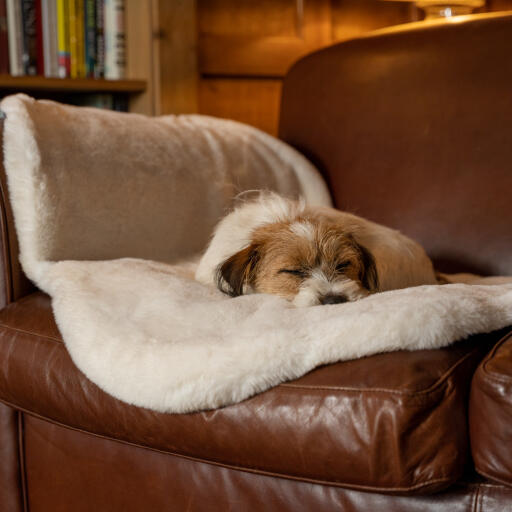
(138, 88)
(40, 83)
(161, 63)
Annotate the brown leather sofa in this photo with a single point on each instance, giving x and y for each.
(412, 128)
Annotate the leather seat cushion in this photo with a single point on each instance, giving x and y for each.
(491, 414)
(394, 423)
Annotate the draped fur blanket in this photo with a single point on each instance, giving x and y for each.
(106, 206)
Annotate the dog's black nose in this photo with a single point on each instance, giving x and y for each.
(333, 299)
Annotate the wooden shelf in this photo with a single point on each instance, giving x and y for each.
(39, 83)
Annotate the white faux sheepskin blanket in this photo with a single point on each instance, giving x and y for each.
(89, 185)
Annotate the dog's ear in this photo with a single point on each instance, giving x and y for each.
(237, 271)
(369, 277)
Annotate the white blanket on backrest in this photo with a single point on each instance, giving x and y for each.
(99, 196)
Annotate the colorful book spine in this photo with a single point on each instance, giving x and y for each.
(64, 57)
(115, 44)
(80, 38)
(50, 37)
(29, 56)
(39, 38)
(64, 38)
(90, 37)
(73, 42)
(15, 37)
(4, 39)
(99, 67)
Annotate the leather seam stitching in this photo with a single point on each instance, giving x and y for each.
(21, 455)
(23, 331)
(503, 482)
(490, 356)
(482, 485)
(475, 499)
(431, 389)
(247, 469)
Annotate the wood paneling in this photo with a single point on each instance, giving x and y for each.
(264, 18)
(250, 38)
(245, 47)
(255, 102)
(177, 56)
(140, 53)
(351, 18)
(41, 83)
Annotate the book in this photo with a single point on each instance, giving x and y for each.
(99, 67)
(4, 41)
(50, 37)
(15, 37)
(29, 24)
(64, 38)
(73, 42)
(115, 44)
(80, 38)
(90, 37)
(39, 38)
(63, 49)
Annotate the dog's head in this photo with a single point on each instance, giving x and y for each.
(305, 257)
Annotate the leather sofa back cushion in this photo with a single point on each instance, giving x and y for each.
(490, 414)
(412, 130)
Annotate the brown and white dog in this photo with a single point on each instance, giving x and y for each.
(309, 255)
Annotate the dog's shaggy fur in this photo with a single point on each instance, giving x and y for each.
(309, 255)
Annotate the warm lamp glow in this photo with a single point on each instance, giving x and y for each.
(446, 8)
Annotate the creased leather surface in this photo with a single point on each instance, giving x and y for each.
(10, 483)
(490, 414)
(13, 282)
(90, 473)
(391, 423)
(401, 123)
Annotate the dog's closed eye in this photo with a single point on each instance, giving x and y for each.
(340, 267)
(294, 272)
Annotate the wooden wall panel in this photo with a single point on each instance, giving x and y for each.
(351, 18)
(177, 56)
(140, 52)
(255, 102)
(264, 18)
(245, 47)
(259, 38)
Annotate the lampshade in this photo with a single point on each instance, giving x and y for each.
(445, 8)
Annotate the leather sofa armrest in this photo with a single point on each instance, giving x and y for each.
(13, 282)
(490, 414)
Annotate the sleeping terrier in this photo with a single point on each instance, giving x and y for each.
(308, 254)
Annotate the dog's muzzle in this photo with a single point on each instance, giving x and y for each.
(332, 298)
